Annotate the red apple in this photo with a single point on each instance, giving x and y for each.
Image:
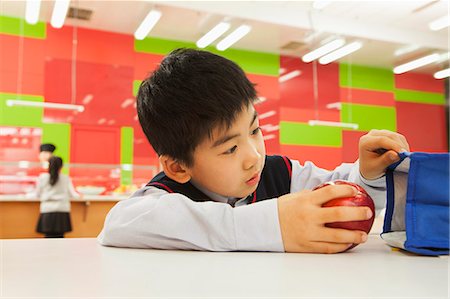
(359, 200)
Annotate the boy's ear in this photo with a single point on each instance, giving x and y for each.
(174, 169)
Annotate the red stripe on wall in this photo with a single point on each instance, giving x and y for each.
(420, 82)
(367, 97)
(325, 157)
(304, 115)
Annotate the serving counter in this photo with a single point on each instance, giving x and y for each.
(19, 215)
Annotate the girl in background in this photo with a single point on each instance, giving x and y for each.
(55, 191)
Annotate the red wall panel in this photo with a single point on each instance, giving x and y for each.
(144, 64)
(417, 81)
(95, 144)
(350, 145)
(298, 92)
(266, 86)
(423, 125)
(324, 157)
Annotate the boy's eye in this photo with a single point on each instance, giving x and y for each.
(256, 131)
(231, 150)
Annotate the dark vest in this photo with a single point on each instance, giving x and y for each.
(275, 181)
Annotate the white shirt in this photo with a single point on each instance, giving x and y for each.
(55, 198)
(154, 218)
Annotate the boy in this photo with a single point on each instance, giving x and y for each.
(219, 191)
(46, 151)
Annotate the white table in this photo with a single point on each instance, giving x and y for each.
(81, 268)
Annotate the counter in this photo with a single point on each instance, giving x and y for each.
(81, 268)
(19, 215)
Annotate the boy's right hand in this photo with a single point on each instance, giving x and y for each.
(302, 220)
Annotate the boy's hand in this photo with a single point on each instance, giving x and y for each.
(302, 220)
(377, 150)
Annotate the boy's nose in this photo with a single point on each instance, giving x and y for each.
(252, 157)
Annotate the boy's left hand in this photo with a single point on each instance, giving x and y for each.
(377, 150)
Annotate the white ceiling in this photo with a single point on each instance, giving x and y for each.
(383, 26)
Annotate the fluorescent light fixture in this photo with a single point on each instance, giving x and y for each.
(87, 99)
(267, 114)
(442, 74)
(47, 105)
(270, 136)
(341, 52)
(259, 100)
(289, 76)
(212, 35)
(32, 11)
(282, 70)
(320, 4)
(270, 128)
(233, 37)
(147, 24)
(406, 50)
(333, 124)
(335, 105)
(440, 23)
(327, 48)
(403, 68)
(101, 121)
(59, 13)
(126, 103)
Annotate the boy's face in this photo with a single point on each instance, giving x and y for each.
(230, 163)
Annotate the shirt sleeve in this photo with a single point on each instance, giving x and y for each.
(308, 176)
(72, 192)
(157, 219)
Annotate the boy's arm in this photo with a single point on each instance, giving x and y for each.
(157, 219)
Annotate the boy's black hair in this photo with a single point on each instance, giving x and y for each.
(191, 93)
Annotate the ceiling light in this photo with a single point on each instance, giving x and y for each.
(442, 74)
(439, 23)
(320, 4)
(333, 124)
(339, 53)
(101, 121)
(87, 99)
(416, 63)
(147, 24)
(59, 13)
(126, 103)
(327, 48)
(32, 11)
(270, 136)
(47, 105)
(406, 50)
(289, 76)
(335, 105)
(212, 35)
(267, 114)
(233, 37)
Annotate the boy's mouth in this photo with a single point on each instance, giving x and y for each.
(254, 179)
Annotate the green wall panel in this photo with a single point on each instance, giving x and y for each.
(16, 26)
(136, 85)
(59, 135)
(364, 77)
(303, 134)
(369, 117)
(405, 95)
(20, 116)
(252, 62)
(126, 154)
